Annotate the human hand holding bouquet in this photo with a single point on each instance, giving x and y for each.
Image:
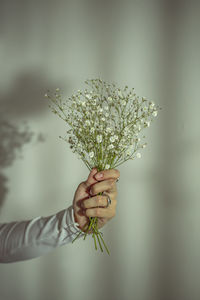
(105, 124)
(89, 204)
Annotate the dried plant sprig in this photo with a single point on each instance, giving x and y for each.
(105, 124)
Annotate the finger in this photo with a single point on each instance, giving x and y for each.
(95, 202)
(105, 185)
(100, 212)
(91, 179)
(106, 174)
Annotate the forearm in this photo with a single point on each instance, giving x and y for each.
(29, 239)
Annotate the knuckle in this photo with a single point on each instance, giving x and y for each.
(98, 200)
(93, 190)
(111, 182)
(97, 212)
(85, 204)
(104, 200)
(117, 173)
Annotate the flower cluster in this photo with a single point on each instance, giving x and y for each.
(105, 122)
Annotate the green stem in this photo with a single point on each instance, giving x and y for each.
(97, 235)
(77, 236)
(95, 243)
(104, 244)
(89, 226)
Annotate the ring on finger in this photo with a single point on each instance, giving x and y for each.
(109, 201)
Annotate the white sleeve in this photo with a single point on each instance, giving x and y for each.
(29, 239)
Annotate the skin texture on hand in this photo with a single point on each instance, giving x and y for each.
(87, 203)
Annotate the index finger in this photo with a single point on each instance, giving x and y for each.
(106, 174)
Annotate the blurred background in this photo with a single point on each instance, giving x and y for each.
(153, 46)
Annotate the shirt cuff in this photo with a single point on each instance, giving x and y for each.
(72, 224)
(75, 224)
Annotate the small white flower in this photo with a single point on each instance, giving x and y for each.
(107, 167)
(116, 137)
(103, 119)
(91, 154)
(110, 146)
(144, 145)
(124, 102)
(92, 130)
(108, 129)
(112, 139)
(155, 113)
(110, 99)
(129, 150)
(100, 110)
(107, 115)
(138, 155)
(87, 122)
(83, 103)
(79, 146)
(88, 96)
(46, 95)
(101, 127)
(99, 138)
(57, 90)
(94, 102)
(106, 107)
(87, 113)
(152, 105)
(145, 108)
(148, 123)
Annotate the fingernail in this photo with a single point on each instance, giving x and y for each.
(99, 175)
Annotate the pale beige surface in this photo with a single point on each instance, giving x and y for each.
(153, 46)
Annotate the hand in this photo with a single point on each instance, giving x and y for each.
(87, 203)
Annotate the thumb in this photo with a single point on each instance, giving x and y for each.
(91, 180)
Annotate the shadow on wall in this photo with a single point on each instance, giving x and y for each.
(25, 99)
(11, 141)
(26, 96)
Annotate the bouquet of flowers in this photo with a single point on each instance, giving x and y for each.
(105, 124)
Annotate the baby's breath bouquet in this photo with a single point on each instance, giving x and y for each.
(105, 124)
